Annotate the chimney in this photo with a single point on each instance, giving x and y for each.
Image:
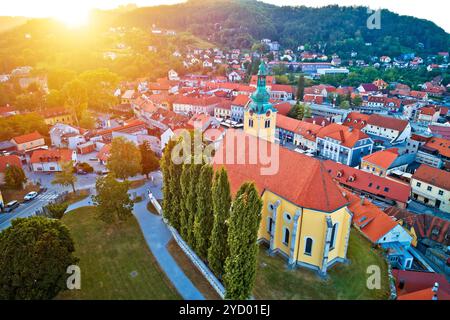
(435, 287)
(362, 199)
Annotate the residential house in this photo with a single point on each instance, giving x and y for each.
(434, 152)
(380, 229)
(428, 115)
(66, 136)
(383, 162)
(388, 128)
(369, 185)
(306, 134)
(343, 144)
(192, 105)
(50, 160)
(238, 105)
(431, 186)
(29, 141)
(282, 92)
(416, 285)
(127, 97)
(223, 110)
(57, 115)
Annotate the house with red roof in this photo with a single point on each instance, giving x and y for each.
(283, 108)
(238, 105)
(428, 114)
(313, 98)
(380, 229)
(8, 161)
(434, 152)
(306, 134)
(383, 162)
(369, 185)
(192, 105)
(282, 92)
(28, 141)
(387, 128)
(223, 110)
(431, 186)
(416, 285)
(343, 144)
(50, 160)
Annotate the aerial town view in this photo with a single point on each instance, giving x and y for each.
(247, 152)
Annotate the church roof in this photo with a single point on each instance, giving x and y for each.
(299, 179)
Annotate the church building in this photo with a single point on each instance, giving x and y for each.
(304, 217)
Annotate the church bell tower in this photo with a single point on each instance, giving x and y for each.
(260, 116)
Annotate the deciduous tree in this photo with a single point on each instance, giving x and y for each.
(14, 177)
(34, 255)
(125, 158)
(66, 176)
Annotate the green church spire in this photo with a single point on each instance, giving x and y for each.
(260, 98)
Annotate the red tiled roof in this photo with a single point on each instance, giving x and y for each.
(417, 285)
(28, 137)
(104, 153)
(197, 101)
(310, 187)
(370, 219)
(441, 145)
(433, 176)
(6, 161)
(54, 112)
(343, 134)
(387, 122)
(283, 88)
(54, 155)
(356, 120)
(241, 100)
(287, 123)
(368, 182)
(383, 158)
(283, 108)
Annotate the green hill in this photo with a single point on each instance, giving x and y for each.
(239, 23)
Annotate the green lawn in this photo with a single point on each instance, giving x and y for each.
(115, 262)
(275, 281)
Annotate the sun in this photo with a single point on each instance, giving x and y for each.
(73, 16)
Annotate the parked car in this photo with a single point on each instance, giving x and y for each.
(30, 196)
(10, 206)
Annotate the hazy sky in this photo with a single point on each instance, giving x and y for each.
(75, 11)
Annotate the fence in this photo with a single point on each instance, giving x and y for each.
(213, 281)
(59, 199)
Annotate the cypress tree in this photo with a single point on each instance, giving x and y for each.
(240, 266)
(204, 217)
(166, 168)
(185, 182)
(191, 202)
(300, 88)
(221, 199)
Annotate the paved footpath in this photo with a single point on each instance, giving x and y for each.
(157, 236)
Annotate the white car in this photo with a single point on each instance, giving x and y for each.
(30, 196)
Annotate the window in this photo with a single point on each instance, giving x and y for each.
(418, 184)
(287, 217)
(441, 192)
(386, 189)
(333, 236)
(250, 123)
(269, 225)
(267, 123)
(429, 188)
(308, 246)
(286, 235)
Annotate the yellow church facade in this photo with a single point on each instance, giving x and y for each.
(304, 217)
(305, 237)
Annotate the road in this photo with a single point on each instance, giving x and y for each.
(27, 209)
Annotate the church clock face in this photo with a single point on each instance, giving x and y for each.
(251, 112)
(268, 113)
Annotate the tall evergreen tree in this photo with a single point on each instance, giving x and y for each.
(240, 265)
(300, 88)
(221, 200)
(185, 183)
(204, 217)
(166, 168)
(191, 202)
